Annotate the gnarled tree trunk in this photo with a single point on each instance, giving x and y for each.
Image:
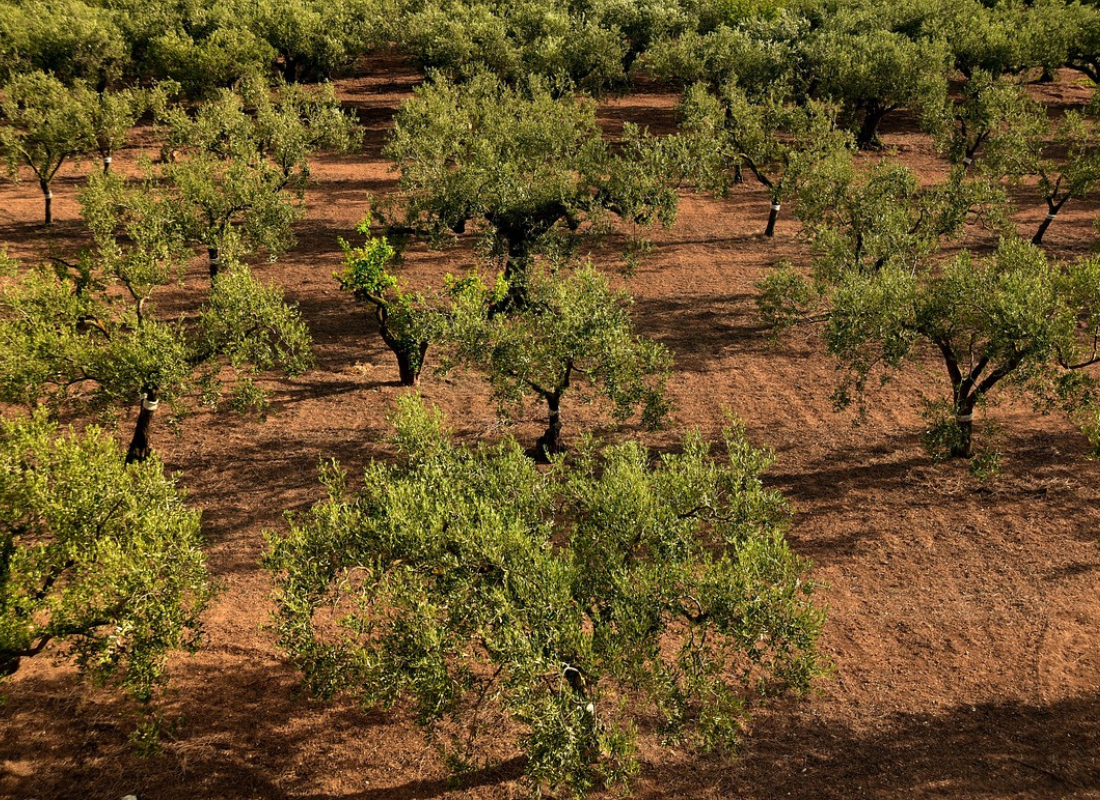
(1052, 213)
(550, 441)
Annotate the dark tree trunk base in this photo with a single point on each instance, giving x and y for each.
(772, 217)
(550, 442)
(215, 262)
(140, 449)
(48, 197)
(410, 362)
(1038, 237)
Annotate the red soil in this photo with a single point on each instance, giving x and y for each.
(963, 617)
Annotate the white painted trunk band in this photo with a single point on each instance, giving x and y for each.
(49, 195)
(964, 417)
(149, 405)
(775, 206)
(968, 161)
(106, 159)
(1052, 215)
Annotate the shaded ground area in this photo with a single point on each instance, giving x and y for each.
(963, 617)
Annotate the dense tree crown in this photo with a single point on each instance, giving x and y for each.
(574, 338)
(572, 601)
(98, 560)
(525, 168)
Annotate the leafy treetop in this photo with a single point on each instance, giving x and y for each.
(99, 561)
(573, 601)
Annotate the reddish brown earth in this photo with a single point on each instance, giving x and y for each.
(963, 616)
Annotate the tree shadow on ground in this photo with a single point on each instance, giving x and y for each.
(230, 728)
(700, 331)
(1006, 749)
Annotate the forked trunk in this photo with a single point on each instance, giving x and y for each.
(139, 445)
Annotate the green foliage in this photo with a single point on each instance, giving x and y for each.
(252, 327)
(407, 321)
(238, 167)
(1065, 166)
(206, 54)
(991, 38)
(779, 142)
(1080, 24)
(524, 168)
(875, 72)
(764, 59)
(86, 335)
(612, 589)
(991, 113)
(99, 561)
(516, 40)
(115, 114)
(73, 41)
(45, 123)
(574, 335)
(313, 39)
(866, 219)
(1013, 318)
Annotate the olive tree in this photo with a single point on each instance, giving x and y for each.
(1014, 317)
(1065, 166)
(777, 141)
(238, 168)
(407, 322)
(573, 336)
(469, 585)
(990, 113)
(862, 219)
(45, 123)
(115, 113)
(1080, 23)
(100, 562)
(85, 334)
(876, 72)
(522, 167)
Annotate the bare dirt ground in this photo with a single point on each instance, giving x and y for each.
(963, 616)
